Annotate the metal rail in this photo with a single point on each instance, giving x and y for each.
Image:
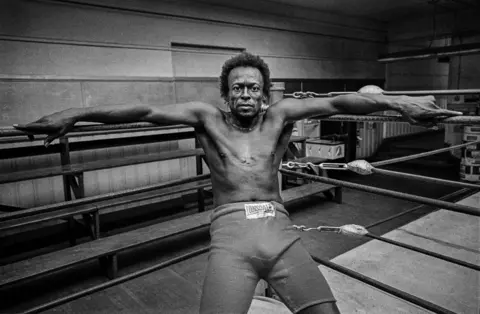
(380, 285)
(461, 120)
(409, 197)
(447, 198)
(425, 252)
(97, 198)
(118, 128)
(438, 92)
(115, 281)
(99, 129)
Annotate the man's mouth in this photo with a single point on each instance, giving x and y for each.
(245, 105)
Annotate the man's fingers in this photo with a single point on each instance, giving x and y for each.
(33, 127)
(450, 113)
(50, 139)
(20, 127)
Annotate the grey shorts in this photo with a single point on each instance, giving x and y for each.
(244, 250)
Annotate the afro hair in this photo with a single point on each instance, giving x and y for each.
(244, 59)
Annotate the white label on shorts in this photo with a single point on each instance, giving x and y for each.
(259, 210)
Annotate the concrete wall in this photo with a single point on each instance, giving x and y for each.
(56, 55)
(430, 74)
(426, 74)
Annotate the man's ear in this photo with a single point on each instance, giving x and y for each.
(264, 106)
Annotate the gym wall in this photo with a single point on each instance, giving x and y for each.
(428, 74)
(56, 55)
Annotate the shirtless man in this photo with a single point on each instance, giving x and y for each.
(251, 234)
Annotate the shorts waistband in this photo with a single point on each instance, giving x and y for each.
(229, 208)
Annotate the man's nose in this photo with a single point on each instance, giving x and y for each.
(245, 94)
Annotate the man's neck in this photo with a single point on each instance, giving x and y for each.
(243, 124)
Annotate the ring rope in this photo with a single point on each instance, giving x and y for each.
(421, 155)
(435, 308)
(453, 195)
(301, 95)
(426, 179)
(359, 231)
(364, 168)
(461, 120)
(400, 195)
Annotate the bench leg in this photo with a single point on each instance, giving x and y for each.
(338, 194)
(201, 200)
(71, 231)
(89, 225)
(96, 225)
(109, 265)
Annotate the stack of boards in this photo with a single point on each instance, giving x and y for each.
(470, 163)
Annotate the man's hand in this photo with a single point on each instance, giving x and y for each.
(423, 111)
(54, 125)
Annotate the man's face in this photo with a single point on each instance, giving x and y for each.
(246, 92)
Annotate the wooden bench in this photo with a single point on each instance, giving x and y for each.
(106, 249)
(73, 179)
(90, 213)
(98, 204)
(80, 168)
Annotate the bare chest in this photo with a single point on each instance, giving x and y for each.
(249, 149)
(256, 147)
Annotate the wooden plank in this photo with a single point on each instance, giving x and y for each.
(107, 206)
(31, 220)
(356, 297)
(99, 198)
(449, 285)
(102, 247)
(119, 140)
(62, 259)
(95, 165)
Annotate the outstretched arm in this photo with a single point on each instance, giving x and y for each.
(416, 110)
(59, 123)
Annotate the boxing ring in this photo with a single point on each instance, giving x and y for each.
(430, 265)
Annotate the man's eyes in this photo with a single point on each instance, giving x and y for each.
(253, 89)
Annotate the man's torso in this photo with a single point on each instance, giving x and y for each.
(244, 164)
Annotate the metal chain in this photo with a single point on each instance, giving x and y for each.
(319, 228)
(324, 165)
(351, 230)
(295, 164)
(301, 95)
